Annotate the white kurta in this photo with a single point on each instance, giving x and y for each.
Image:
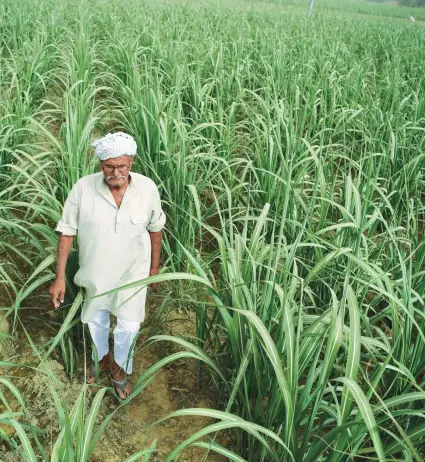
(114, 243)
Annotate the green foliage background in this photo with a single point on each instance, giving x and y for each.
(289, 153)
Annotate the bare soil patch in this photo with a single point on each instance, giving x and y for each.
(175, 387)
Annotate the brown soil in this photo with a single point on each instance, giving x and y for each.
(175, 387)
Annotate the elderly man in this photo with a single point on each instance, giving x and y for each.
(118, 218)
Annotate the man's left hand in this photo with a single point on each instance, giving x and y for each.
(154, 272)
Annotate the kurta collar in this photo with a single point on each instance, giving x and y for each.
(102, 188)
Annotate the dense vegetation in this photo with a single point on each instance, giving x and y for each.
(290, 158)
(417, 3)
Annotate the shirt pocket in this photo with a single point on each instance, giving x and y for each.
(139, 240)
(139, 223)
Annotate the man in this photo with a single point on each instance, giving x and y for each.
(118, 218)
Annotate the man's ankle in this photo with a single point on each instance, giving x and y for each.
(105, 359)
(115, 368)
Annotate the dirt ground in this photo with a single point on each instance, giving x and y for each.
(175, 387)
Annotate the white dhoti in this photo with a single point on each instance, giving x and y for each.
(125, 333)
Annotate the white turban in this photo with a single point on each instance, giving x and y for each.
(115, 145)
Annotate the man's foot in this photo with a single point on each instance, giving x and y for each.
(103, 366)
(120, 381)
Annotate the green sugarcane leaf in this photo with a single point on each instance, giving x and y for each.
(367, 415)
(219, 450)
(64, 327)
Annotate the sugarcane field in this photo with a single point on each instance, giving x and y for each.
(212, 230)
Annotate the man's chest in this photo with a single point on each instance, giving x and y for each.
(104, 217)
(118, 197)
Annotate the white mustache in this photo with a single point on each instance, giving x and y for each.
(112, 177)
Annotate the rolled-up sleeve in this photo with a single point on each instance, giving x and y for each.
(157, 220)
(68, 224)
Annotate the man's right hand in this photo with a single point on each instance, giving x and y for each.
(57, 292)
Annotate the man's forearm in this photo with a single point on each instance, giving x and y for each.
(64, 248)
(156, 239)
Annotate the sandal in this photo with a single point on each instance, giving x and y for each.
(122, 385)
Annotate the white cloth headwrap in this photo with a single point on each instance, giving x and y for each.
(115, 145)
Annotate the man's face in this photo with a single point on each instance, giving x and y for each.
(116, 171)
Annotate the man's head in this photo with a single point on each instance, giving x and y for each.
(116, 170)
(116, 152)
